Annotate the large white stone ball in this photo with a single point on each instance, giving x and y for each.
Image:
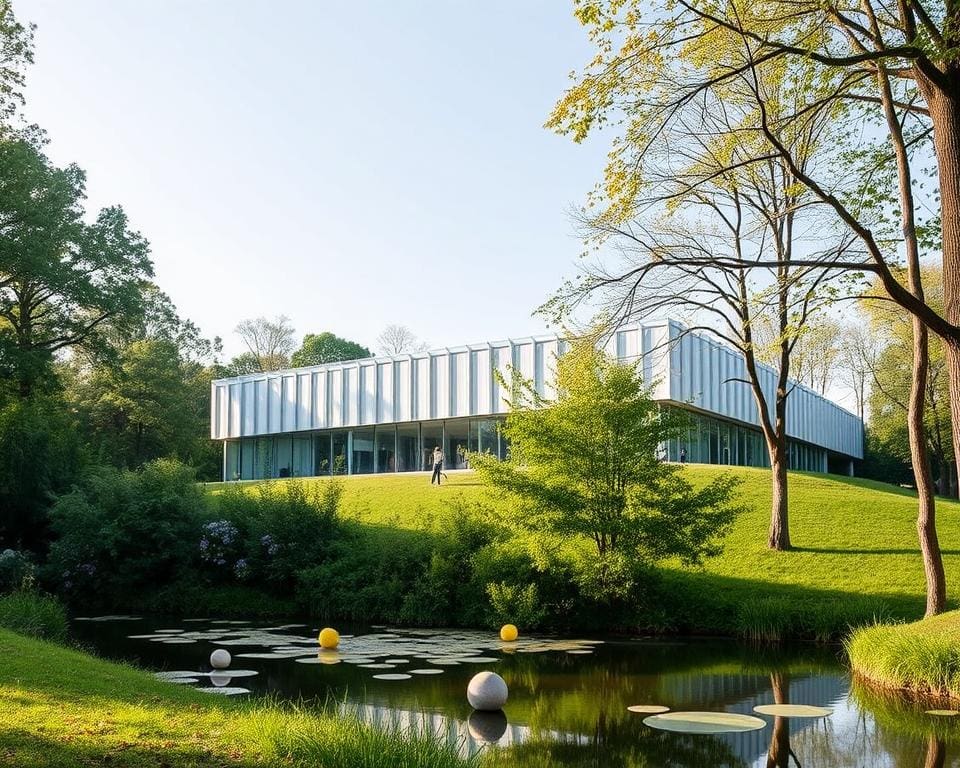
(487, 692)
(220, 659)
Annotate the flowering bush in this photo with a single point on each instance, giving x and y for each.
(15, 568)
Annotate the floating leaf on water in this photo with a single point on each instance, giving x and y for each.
(704, 722)
(392, 676)
(396, 661)
(793, 710)
(478, 659)
(377, 666)
(580, 652)
(426, 671)
(226, 690)
(179, 641)
(943, 712)
(648, 709)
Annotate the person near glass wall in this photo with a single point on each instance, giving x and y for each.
(437, 465)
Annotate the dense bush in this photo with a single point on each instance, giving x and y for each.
(121, 534)
(31, 613)
(16, 568)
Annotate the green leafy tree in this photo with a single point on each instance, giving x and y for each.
(587, 468)
(62, 279)
(142, 409)
(320, 348)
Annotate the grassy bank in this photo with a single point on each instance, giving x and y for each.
(855, 560)
(60, 707)
(921, 658)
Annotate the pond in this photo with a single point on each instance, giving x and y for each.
(569, 697)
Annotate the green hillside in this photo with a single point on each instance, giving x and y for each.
(856, 553)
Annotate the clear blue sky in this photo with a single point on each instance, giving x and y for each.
(349, 165)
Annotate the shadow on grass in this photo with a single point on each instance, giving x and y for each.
(849, 551)
(30, 750)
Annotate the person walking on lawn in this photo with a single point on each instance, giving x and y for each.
(437, 465)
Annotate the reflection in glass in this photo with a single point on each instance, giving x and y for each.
(321, 454)
(339, 451)
(431, 435)
(362, 452)
(386, 443)
(408, 447)
(455, 449)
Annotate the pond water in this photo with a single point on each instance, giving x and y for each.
(569, 697)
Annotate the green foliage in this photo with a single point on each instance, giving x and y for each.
(285, 530)
(319, 348)
(40, 455)
(588, 468)
(520, 605)
(16, 569)
(121, 534)
(31, 613)
(61, 278)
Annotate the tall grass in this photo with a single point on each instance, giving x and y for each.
(773, 619)
(922, 657)
(34, 614)
(295, 735)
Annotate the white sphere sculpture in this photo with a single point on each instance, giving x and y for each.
(220, 659)
(487, 692)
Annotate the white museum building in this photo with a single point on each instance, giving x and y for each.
(386, 414)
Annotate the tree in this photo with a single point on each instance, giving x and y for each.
(851, 65)
(320, 348)
(726, 261)
(61, 278)
(859, 348)
(269, 342)
(142, 409)
(587, 469)
(399, 340)
(816, 352)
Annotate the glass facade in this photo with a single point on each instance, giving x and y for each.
(409, 447)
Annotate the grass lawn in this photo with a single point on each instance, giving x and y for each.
(60, 707)
(922, 657)
(856, 554)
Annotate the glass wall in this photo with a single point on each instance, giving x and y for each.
(455, 452)
(409, 448)
(386, 445)
(431, 435)
(339, 452)
(362, 452)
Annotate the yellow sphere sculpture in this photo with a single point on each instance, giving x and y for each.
(508, 633)
(329, 638)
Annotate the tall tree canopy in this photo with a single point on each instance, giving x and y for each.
(326, 347)
(269, 342)
(61, 279)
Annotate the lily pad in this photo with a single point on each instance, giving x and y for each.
(426, 671)
(704, 722)
(392, 676)
(943, 712)
(793, 710)
(648, 709)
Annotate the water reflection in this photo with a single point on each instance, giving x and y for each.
(571, 709)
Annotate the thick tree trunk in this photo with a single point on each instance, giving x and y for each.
(779, 535)
(944, 109)
(926, 514)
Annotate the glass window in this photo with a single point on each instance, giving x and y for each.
(302, 457)
(283, 458)
(456, 444)
(263, 458)
(362, 452)
(386, 442)
(248, 452)
(339, 453)
(431, 436)
(321, 455)
(408, 447)
(489, 434)
(231, 462)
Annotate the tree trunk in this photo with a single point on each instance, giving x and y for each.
(926, 514)
(945, 116)
(779, 536)
(779, 754)
(936, 753)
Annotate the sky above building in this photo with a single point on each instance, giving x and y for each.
(349, 165)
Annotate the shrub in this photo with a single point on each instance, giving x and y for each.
(125, 533)
(15, 569)
(31, 613)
